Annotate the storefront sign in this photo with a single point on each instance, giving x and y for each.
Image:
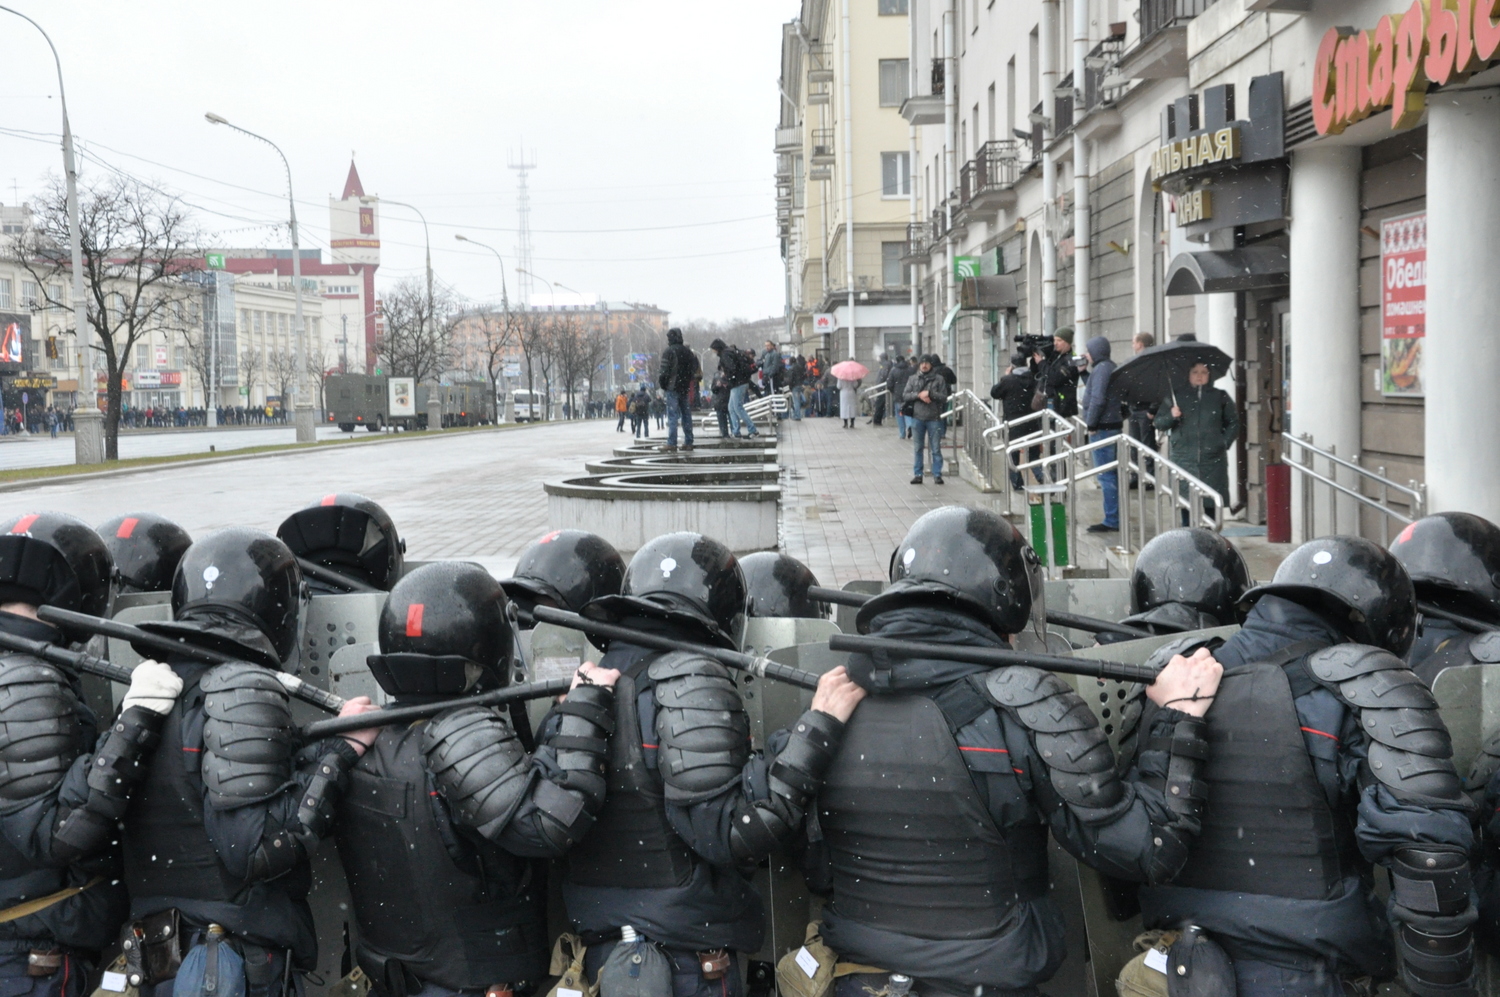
(1195, 206)
(44, 382)
(1357, 73)
(171, 378)
(1403, 303)
(965, 267)
(1189, 153)
(147, 379)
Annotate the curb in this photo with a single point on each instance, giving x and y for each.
(15, 486)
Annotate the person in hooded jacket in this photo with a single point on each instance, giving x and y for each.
(1103, 421)
(895, 383)
(931, 827)
(1014, 392)
(1204, 424)
(690, 808)
(679, 372)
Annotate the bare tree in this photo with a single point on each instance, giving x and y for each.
(208, 366)
(251, 367)
(418, 337)
(281, 373)
(531, 336)
(565, 345)
(137, 244)
(499, 332)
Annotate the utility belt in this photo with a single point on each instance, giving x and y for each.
(635, 967)
(204, 959)
(1195, 964)
(390, 977)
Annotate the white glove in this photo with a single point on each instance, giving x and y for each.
(154, 686)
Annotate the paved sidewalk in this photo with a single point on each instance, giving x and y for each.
(845, 500)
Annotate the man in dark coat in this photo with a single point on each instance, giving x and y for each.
(1103, 421)
(1059, 374)
(1203, 424)
(895, 383)
(679, 371)
(1015, 392)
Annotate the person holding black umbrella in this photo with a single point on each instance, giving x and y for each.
(1203, 423)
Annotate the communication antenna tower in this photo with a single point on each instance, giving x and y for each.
(522, 165)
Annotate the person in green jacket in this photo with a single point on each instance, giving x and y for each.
(1203, 423)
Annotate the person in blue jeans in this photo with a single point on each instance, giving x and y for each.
(927, 391)
(1104, 421)
(679, 372)
(737, 367)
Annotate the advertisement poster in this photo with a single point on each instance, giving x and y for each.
(639, 366)
(1403, 304)
(403, 396)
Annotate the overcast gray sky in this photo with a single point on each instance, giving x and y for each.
(647, 115)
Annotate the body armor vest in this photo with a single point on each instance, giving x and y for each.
(433, 906)
(631, 843)
(168, 852)
(912, 846)
(1268, 827)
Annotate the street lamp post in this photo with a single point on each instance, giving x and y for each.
(509, 414)
(307, 430)
(88, 421)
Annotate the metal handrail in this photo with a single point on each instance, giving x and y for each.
(1305, 467)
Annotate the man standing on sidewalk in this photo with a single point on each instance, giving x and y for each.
(737, 368)
(927, 391)
(895, 384)
(1103, 421)
(622, 409)
(679, 371)
(796, 376)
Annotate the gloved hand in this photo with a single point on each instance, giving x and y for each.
(153, 686)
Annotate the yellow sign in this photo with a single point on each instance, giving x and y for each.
(1195, 206)
(1195, 151)
(39, 381)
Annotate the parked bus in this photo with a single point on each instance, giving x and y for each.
(530, 406)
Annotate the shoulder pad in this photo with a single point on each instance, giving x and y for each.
(1485, 764)
(1485, 647)
(1411, 773)
(702, 730)
(1388, 689)
(1182, 645)
(1021, 685)
(1343, 662)
(39, 732)
(676, 664)
(1081, 767)
(478, 764)
(699, 692)
(247, 734)
(1420, 731)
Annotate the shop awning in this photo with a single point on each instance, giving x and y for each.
(1216, 270)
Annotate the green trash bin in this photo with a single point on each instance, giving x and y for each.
(1059, 531)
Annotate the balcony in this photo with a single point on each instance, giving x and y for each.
(820, 173)
(788, 140)
(819, 64)
(821, 95)
(823, 146)
(917, 244)
(938, 77)
(926, 109)
(1161, 52)
(987, 182)
(1062, 106)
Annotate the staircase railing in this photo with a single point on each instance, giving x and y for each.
(1323, 488)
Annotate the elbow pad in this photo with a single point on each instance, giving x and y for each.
(330, 778)
(479, 767)
(39, 732)
(112, 777)
(247, 735)
(701, 725)
(582, 741)
(1186, 749)
(760, 826)
(1430, 890)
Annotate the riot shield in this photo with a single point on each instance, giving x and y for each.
(1101, 598)
(1110, 940)
(844, 615)
(551, 652)
(331, 622)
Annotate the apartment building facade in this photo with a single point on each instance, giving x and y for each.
(1252, 172)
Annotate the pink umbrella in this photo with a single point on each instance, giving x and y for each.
(849, 370)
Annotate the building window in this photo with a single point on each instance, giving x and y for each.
(895, 174)
(888, 7)
(142, 356)
(179, 357)
(55, 292)
(30, 294)
(5, 291)
(895, 76)
(892, 273)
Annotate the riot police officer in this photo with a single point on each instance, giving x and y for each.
(690, 808)
(350, 535)
(777, 586)
(228, 809)
(1454, 562)
(1185, 579)
(565, 569)
(445, 896)
(1327, 756)
(935, 811)
(145, 548)
(61, 899)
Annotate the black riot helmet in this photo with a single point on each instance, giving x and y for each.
(350, 534)
(445, 630)
(778, 585)
(1188, 579)
(1357, 586)
(684, 578)
(52, 559)
(967, 559)
(1454, 561)
(146, 548)
(568, 569)
(237, 590)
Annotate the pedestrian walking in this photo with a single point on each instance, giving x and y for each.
(796, 377)
(877, 407)
(52, 422)
(895, 383)
(640, 414)
(849, 401)
(678, 374)
(1203, 424)
(737, 367)
(1103, 421)
(926, 390)
(622, 409)
(1141, 415)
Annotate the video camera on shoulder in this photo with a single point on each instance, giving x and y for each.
(1036, 343)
